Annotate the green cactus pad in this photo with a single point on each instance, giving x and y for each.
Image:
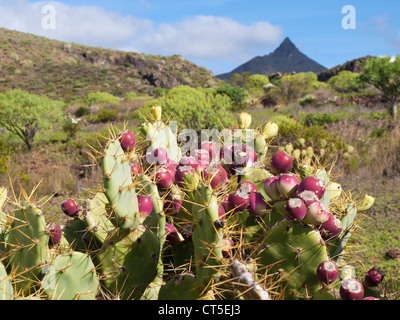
(130, 265)
(27, 246)
(6, 288)
(181, 287)
(292, 252)
(119, 191)
(71, 277)
(207, 238)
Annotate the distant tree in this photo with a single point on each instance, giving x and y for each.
(25, 114)
(384, 74)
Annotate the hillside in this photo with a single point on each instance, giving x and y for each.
(286, 58)
(69, 71)
(356, 65)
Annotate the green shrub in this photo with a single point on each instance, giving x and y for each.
(106, 115)
(308, 99)
(292, 87)
(255, 84)
(345, 81)
(193, 108)
(238, 96)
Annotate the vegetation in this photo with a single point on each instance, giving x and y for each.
(24, 114)
(384, 74)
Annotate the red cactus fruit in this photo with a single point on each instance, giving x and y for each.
(296, 209)
(55, 233)
(202, 159)
(244, 156)
(211, 148)
(173, 235)
(158, 156)
(70, 207)
(312, 183)
(257, 204)
(221, 212)
(281, 162)
(127, 139)
(136, 169)
(307, 196)
(351, 289)
(331, 228)
(247, 186)
(172, 169)
(373, 277)
(370, 298)
(180, 173)
(287, 185)
(145, 204)
(327, 272)
(216, 174)
(317, 213)
(271, 188)
(164, 178)
(238, 201)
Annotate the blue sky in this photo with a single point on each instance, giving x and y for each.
(218, 34)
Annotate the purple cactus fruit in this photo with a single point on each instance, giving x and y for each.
(171, 168)
(70, 208)
(172, 205)
(317, 213)
(296, 209)
(327, 272)
(308, 197)
(370, 298)
(247, 186)
(136, 169)
(202, 159)
(281, 162)
(331, 228)
(158, 156)
(271, 188)
(145, 204)
(312, 183)
(257, 204)
(173, 235)
(55, 234)
(373, 277)
(127, 139)
(164, 178)
(216, 174)
(181, 172)
(287, 185)
(245, 156)
(211, 149)
(227, 247)
(238, 201)
(221, 212)
(225, 203)
(351, 289)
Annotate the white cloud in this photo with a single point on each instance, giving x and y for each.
(201, 38)
(212, 38)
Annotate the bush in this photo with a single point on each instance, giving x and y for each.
(193, 108)
(308, 99)
(101, 97)
(255, 84)
(238, 96)
(345, 81)
(292, 87)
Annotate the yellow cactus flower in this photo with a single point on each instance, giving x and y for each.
(157, 110)
(245, 120)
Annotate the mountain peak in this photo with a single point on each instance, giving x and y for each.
(286, 47)
(286, 58)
